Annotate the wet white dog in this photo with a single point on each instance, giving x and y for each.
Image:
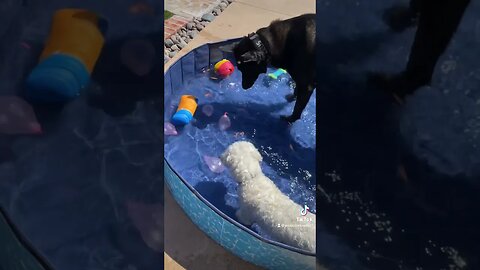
(261, 201)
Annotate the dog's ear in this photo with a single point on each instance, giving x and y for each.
(255, 153)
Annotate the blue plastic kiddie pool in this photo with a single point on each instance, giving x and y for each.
(208, 194)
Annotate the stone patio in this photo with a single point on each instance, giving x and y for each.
(190, 8)
(172, 25)
(181, 29)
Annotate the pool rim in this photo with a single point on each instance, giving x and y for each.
(236, 223)
(199, 196)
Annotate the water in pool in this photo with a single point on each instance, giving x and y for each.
(288, 150)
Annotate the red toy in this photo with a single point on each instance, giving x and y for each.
(224, 68)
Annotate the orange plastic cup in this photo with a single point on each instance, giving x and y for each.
(185, 111)
(75, 32)
(70, 54)
(188, 102)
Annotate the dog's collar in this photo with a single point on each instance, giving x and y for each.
(259, 46)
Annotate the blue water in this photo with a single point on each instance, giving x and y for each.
(288, 151)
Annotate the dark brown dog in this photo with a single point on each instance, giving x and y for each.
(287, 44)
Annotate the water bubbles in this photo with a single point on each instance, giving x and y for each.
(334, 176)
(205, 70)
(457, 261)
(291, 84)
(208, 94)
(448, 66)
(239, 134)
(231, 86)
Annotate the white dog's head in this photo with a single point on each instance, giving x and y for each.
(243, 159)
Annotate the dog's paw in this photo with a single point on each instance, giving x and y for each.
(290, 97)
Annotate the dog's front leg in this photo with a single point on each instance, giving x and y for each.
(303, 97)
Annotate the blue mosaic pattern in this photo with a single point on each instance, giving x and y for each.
(231, 236)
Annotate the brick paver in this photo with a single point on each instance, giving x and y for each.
(173, 24)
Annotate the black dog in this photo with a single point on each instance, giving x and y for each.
(288, 44)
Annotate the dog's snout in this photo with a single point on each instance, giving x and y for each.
(246, 84)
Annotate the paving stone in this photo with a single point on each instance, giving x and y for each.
(208, 17)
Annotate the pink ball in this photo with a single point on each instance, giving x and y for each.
(224, 68)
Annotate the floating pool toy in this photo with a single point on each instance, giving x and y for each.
(224, 122)
(169, 129)
(185, 111)
(17, 117)
(277, 73)
(224, 68)
(214, 164)
(145, 219)
(138, 56)
(71, 52)
(207, 109)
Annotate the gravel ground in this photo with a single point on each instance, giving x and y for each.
(179, 40)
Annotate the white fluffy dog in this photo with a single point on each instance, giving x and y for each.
(261, 201)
